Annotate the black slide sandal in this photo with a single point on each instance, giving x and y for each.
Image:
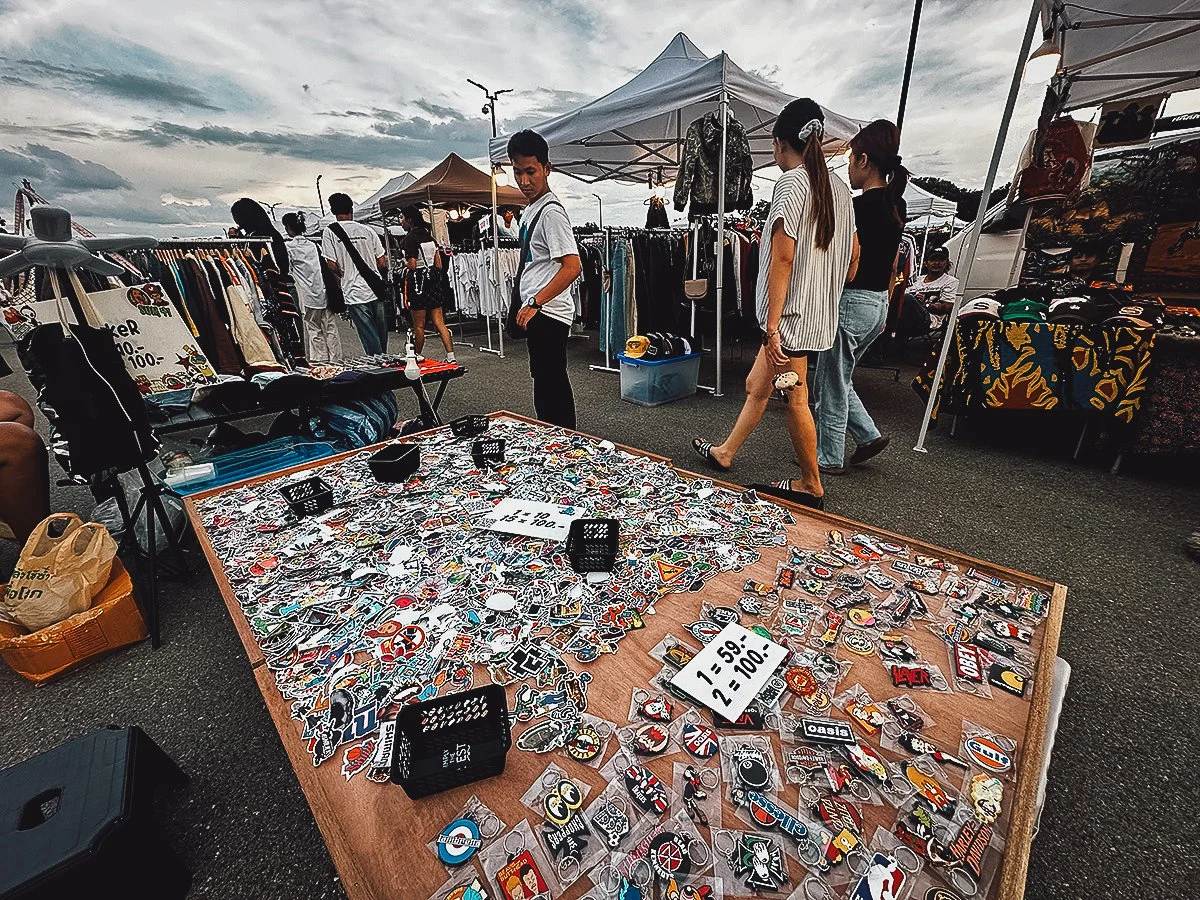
(704, 449)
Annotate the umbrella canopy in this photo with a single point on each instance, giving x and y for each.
(453, 180)
(637, 130)
(1123, 49)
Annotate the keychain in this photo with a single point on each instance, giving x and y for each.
(611, 820)
(673, 855)
(565, 833)
(696, 788)
(769, 814)
(462, 838)
(654, 708)
(752, 766)
(698, 739)
(758, 861)
(520, 878)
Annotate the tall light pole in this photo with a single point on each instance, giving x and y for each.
(489, 108)
(601, 202)
(908, 64)
(320, 200)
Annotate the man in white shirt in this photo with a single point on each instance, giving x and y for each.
(930, 298)
(363, 303)
(320, 323)
(549, 266)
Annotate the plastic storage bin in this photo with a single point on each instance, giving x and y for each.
(654, 382)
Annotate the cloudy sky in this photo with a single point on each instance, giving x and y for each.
(150, 116)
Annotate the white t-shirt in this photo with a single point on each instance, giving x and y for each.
(810, 310)
(943, 289)
(551, 240)
(367, 243)
(306, 270)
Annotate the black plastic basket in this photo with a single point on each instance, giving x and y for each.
(395, 463)
(592, 544)
(469, 426)
(308, 497)
(488, 451)
(451, 741)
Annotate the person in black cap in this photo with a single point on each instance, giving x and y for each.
(807, 250)
(931, 297)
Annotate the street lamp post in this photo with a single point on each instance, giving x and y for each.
(601, 202)
(489, 108)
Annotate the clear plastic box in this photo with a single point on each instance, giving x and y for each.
(649, 382)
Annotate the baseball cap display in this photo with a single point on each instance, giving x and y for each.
(1075, 311)
(636, 346)
(1138, 314)
(1024, 311)
(980, 308)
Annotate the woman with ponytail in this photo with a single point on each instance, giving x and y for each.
(807, 249)
(879, 210)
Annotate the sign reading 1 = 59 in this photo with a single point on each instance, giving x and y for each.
(730, 670)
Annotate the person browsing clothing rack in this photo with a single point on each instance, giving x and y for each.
(549, 266)
(879, 213)
(320, 322)
(425, 280)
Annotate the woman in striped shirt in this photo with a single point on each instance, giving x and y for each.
(807, 250)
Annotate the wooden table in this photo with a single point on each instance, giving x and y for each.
(376, 835)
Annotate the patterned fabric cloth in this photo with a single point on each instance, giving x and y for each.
(1100, 369)
(1170, 418)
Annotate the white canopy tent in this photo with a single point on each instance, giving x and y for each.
(922, 203)
(368, 210)
(636, 133)
(1105, 50)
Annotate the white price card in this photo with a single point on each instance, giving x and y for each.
(730, 671)
(532, 519)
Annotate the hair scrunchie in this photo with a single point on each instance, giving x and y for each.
(811, 127)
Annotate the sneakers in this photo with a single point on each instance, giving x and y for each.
(450, 358)
(863, 452)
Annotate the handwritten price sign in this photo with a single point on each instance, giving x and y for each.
(730, 671)
(532, 519)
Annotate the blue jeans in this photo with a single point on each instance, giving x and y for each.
(861, 317)
(371, 324)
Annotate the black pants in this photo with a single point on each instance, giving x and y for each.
(552, 398)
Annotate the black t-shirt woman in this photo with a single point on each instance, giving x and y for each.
(879, 213)
(427, 284)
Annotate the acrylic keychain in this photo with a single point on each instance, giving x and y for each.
(641, 785)
(799, 835)
(964, 861)
(519, 867)
(588, 743)
(754, 863)
(671, 849)
(698, 793)
(475, 826)
(877, 772)
(968, 668)
(864, 714)
(673, 652)
(564, 831)
(697, 737)
(462, 886)
(614, 817)
(986, 751)
(748, 763)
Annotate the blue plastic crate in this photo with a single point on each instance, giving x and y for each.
(652, 382)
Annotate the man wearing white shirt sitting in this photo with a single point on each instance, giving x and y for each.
(930, 298)
(320, 322)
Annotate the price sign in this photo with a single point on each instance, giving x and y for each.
(730, 671)
(532, 519)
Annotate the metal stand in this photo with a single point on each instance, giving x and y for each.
(721, 230)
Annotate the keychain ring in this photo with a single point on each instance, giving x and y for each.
(604, 730)
(714, 778)
(795, 774)
(904, 701)
(1007, 744)
(640, 696)
(967, 687)
(490, 826)
(609, 879)
(892, 731)
(962, 881)
(939, 681)
(865, 863)
(690, 716)
(729, 836)
(623, 809)
(773, 717)
(921, 762)
(695, 857)
(649, 873)
(860, 790)
(809, 847)
(566, 864)
(551, 779)
(809, 794)
(823, 891)
(905, 849)
(511, 851)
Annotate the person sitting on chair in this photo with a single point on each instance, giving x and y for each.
(24, 469)
(930, 298)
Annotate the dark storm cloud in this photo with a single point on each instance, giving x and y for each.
(55, 173)
(161, 91)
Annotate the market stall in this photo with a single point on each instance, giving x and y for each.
(897, 735)
(638, 133)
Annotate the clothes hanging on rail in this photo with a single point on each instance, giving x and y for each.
(699, 168)
(656, 215)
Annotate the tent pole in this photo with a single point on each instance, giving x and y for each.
(977, 226)
(721, 227)
(495, 273)
(925, 240)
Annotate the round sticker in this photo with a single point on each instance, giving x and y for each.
(584, 744)
(857, 642)
(458, 842)
(987, 754)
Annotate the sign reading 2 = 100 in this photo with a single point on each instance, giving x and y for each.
(730, 670)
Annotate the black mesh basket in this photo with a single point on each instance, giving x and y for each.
(451, 741)
(488, 451)
(469, 426)
(308, 497)
(395, 463)
(592, 544)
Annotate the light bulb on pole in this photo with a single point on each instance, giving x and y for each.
(601, 202)
(1043, 63)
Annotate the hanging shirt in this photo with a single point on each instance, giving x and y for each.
(551, 240)
(366, 242)
(306, 271)
(810, 308)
